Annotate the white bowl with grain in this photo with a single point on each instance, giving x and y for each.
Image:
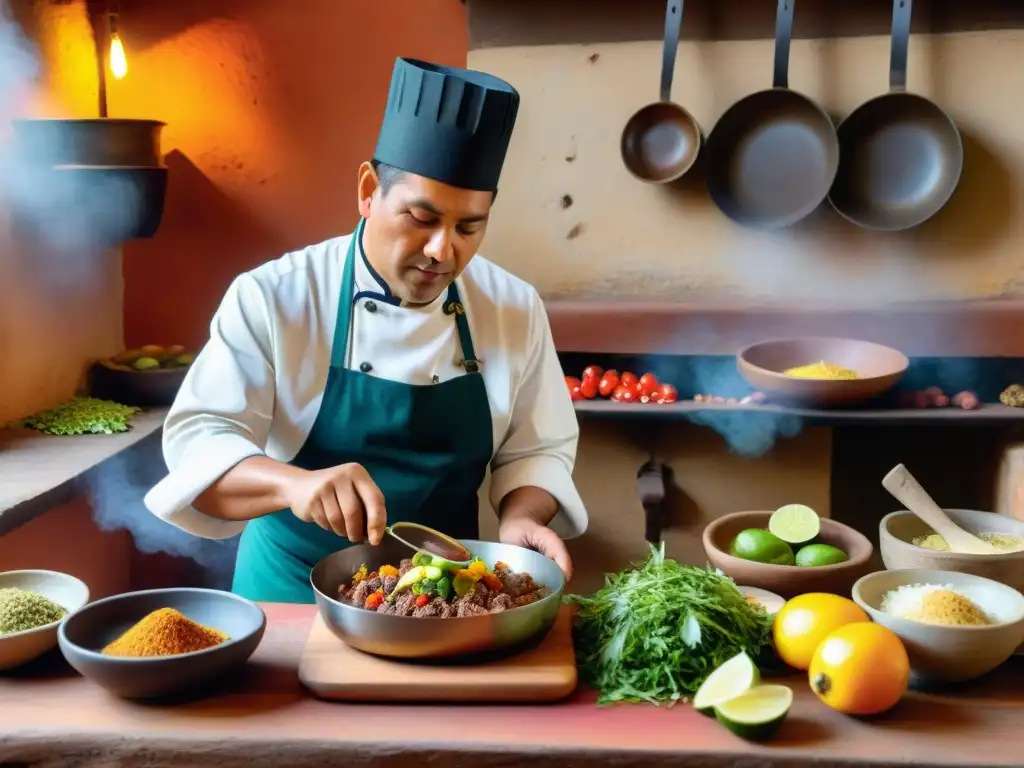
(943, 653)
(71, 594)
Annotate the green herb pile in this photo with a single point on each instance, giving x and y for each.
(82, 416)
(655, 632)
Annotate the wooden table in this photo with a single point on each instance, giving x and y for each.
(50, 717)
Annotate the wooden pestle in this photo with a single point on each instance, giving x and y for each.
(901, 484)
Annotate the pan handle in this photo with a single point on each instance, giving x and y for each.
(783, 35)
(673, 26)
(902, 10)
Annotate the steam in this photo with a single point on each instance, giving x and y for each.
(116, 490)
(64, 209)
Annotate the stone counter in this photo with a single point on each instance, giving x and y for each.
(53, 718)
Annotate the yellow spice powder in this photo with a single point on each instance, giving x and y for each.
(944, 606)
(1001, 541)
(822, 370)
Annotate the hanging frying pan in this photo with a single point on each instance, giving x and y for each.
(660, 142)
(772, 156)
(901, 154)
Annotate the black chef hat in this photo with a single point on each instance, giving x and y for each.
(448, 124)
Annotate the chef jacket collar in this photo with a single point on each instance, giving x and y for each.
(370, 284)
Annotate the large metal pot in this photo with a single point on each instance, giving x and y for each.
(91, 141)
(419, 638)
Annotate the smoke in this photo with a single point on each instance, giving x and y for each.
(116, 490)
(65, 208)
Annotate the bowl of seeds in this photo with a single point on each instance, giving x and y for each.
(32, 606)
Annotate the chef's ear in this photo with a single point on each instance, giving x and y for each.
(368, 183)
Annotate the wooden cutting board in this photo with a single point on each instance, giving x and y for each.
(333, 670)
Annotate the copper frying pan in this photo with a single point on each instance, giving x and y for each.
(661, 141)
(901, 154)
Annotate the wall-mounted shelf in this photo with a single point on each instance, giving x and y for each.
(39, 472)
(501, 23)
(987, 414)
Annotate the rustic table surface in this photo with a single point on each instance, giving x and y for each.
(52, 717)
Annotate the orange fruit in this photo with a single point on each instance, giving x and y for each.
(860, 669)
(803, 622)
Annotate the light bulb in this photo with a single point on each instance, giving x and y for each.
(118, 62)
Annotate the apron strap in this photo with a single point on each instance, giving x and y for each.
(339, 347)
(452, 306)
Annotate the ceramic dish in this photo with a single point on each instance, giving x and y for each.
(879, 367)
(68, 592)
(949, 654)
(84, 635)
(788, 580)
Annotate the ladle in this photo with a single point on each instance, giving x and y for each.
(424, 539)
(901, 484)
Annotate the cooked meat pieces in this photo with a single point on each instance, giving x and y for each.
(518, 589)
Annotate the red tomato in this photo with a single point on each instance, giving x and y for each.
(592, 372)
(624, 394)
(574, 386)
(638, 390)
(589, 388)
(628, 379)
(648, 384)
(666, 394)
(608, 383)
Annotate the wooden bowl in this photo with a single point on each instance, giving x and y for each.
(897, 531)
(788, 580)
(142, 388)
(66, 591)
(879, 367)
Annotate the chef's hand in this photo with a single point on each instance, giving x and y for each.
(342, 499)
(529, 533)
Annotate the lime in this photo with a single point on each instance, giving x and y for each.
(146, 364)
(735, 676)
(758, 713)
(794, 523)
(761, 547)
(820, 554)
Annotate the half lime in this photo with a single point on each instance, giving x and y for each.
(733, 678)
(795, 523)
(758, 713)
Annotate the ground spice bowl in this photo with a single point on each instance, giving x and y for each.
(71, 594)
(942, 654)
(84, 635)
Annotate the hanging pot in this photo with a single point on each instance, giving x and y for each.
(90, 141)
(95, 181)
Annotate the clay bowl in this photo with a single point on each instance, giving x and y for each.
(879, 367)
(788, 580)
(141, 388)
(66, 591)
(898, 529)
(83, 636)
(943, 654)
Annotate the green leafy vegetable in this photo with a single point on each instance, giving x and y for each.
(82, 416)
(656, 631)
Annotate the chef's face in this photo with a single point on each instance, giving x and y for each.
(420, 233)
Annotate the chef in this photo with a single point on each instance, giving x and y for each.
(378, 376)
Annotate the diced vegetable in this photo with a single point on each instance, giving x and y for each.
(493, 582)
(414, 576)
(478, 566)
(387, 570)
(374, 599)
(360, 574)
(464, 581)
(444, 587)
(422, 600)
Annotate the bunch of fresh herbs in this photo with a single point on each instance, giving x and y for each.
(82, 416)
(656, 631)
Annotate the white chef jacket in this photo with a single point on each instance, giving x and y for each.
(256, 386)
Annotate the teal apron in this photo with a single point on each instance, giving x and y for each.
(426, 447)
